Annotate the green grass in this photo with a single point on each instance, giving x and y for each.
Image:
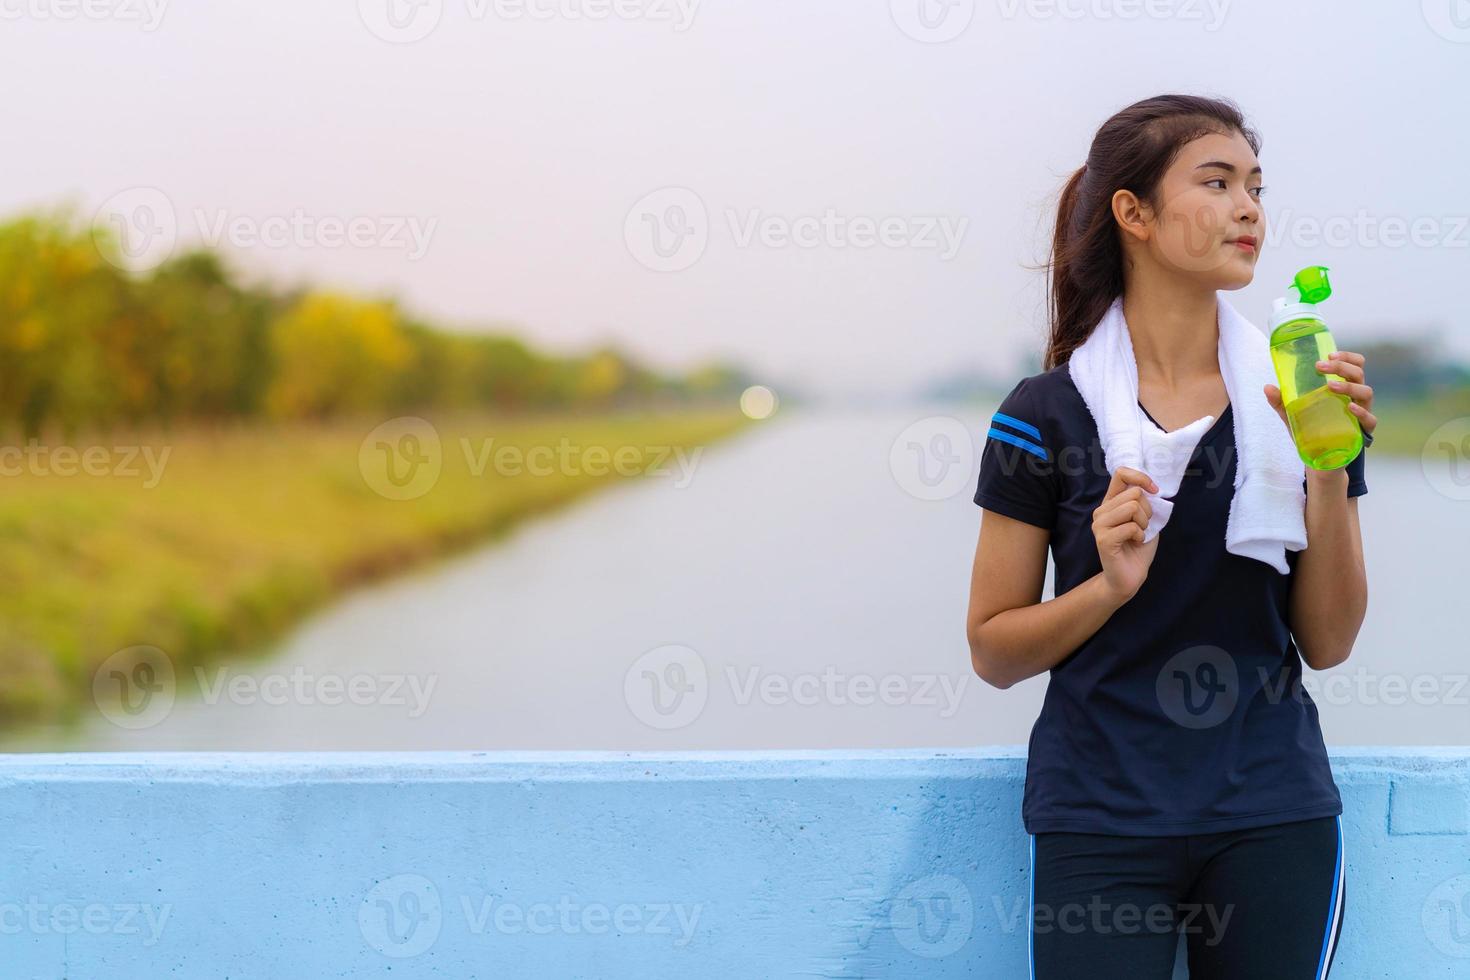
(1405, 426)
(251, 526)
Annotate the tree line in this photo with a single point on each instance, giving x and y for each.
(86, 344)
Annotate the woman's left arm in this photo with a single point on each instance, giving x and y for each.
(1329, 592)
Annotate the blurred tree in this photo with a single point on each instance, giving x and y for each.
(58, 296)
(333, 353)
(209, 345)
(84, 343)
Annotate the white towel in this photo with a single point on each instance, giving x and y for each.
(1268, 509)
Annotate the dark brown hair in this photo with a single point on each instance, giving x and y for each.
(1131, 151)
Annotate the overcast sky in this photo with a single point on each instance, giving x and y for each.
(641, 171)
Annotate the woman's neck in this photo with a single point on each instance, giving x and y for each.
(1175, 331)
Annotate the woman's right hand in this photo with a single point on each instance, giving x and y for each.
(1118, 524)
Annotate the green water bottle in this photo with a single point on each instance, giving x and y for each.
(1326, 432)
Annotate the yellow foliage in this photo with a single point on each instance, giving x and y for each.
(333, 352)
(601, 376)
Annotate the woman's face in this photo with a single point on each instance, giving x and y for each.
(1210, 223)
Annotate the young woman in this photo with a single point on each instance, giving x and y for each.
(1176, 778)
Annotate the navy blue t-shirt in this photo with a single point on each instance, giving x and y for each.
(1184, 713)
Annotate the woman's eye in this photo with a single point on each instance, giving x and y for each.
(1216, 180)
(1259, 190)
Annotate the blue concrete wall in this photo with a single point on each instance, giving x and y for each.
(646, 865)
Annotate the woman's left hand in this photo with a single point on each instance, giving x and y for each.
(1349, 366)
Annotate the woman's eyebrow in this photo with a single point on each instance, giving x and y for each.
(1222, 165)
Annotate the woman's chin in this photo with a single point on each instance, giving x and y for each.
(1238, 273)
(1239, 280)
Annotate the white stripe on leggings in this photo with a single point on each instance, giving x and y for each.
(1031, 914)
(1330, 941)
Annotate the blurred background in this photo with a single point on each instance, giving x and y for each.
(567, 374)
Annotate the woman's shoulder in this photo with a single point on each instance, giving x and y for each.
(1042, 413)
(1048, 396)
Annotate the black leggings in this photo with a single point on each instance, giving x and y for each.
(1265, 903)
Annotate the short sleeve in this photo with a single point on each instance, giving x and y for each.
(1018, 475)
(1357, 484)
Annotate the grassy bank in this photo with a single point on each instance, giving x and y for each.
(1405, 425)
(205, 542)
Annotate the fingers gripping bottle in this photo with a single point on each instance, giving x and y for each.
(1326, 433)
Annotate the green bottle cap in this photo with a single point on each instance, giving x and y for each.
(1311, 284)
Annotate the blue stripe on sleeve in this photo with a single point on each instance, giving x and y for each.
(1025, 427)
(1025, 444)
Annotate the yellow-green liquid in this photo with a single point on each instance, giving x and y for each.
(1326, 432)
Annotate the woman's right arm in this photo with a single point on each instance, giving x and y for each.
(1013, 634)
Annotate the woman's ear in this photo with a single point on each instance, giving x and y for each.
(1131, 214)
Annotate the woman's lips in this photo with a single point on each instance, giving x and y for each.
(1245, 244)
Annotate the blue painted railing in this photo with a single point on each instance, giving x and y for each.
(597, 864)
